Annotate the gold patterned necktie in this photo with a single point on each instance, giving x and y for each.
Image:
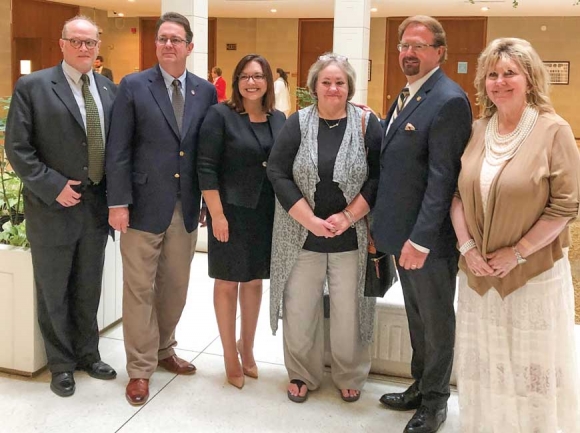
(177, 102)
(94, 134)
(401, 102)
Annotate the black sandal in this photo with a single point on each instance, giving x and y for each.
(349, 399)
(298, 398)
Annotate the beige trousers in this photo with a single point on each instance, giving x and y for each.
(303, 321)
(155, 279)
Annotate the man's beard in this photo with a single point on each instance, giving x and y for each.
(411, 69)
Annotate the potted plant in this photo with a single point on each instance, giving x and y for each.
(12, 225)
(303, 97)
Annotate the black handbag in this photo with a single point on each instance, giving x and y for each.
(381, 270)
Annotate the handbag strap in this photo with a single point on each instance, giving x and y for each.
(370, 241)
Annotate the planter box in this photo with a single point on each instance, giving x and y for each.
(21, 344)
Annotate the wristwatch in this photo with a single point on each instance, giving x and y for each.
(519, 257)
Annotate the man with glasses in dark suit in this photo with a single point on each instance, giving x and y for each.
(55, 141)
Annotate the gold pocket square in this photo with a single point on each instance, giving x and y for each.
(409, 127)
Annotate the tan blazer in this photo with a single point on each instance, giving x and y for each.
(542, 181)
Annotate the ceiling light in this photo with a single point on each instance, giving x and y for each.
(121, 14)
(374, 9)
(485, 8)
(273, 11)
(130, 1)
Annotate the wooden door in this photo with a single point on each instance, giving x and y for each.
(466, 38)
(211, 44)
(315, 37)
(147, 41)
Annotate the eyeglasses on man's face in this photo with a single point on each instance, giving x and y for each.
(77, 43)
(402, 47)
(162, 40)
(258, 78)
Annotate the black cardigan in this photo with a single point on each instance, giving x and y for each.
(230, 158)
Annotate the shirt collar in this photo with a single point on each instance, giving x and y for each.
(168, 78)
(416, 86)
(74, 74)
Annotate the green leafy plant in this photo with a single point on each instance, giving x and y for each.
(303, 97)
(11, 204)
(14, 235)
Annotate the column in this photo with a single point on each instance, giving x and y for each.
(196, 12)
(352, 22)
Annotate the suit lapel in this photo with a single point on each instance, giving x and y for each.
(191, 85)
(159, 92)
(246, 119)
(419, 98)
(276, 124)
(62, 89)
(106, 100)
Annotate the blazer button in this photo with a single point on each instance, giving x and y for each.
(85, 168)
(264, 164)
(181, 153)
(176, 175)
(83, 144)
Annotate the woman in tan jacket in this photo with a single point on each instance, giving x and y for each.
(518, 191)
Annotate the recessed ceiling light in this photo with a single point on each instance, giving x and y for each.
(485, 8)
(121, 14)
(374, 9)
(130, 1)
(273, 11)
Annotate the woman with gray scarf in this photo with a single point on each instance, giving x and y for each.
(324, 169)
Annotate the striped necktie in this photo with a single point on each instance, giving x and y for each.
(178, 103)
(401, 102)
(96, 145)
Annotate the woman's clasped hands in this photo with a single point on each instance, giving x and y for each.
(498, 264)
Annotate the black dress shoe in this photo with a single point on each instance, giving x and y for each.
(100, 370)
(426, 420)
(408, 400)
(63, 384)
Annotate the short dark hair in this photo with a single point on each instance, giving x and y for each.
(100, 58)
(174, 17)
(236, 102)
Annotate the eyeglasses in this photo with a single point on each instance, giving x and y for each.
(416, 47)
(258, 78)
(77, 43)
(162, 40)
(336, 57)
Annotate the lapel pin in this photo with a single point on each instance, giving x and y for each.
(418, 98)
(105, 87)
(193, 92)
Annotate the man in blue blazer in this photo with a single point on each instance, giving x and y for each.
(55, 136)
(427, 129)
(154, 199)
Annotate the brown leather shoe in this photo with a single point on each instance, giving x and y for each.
(137, 391)
(177, 365)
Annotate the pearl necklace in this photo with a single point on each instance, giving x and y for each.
(500, 148)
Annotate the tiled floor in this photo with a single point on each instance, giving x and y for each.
(203, 402)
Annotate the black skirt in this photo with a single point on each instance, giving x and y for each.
(246, 255)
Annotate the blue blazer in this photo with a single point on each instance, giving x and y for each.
(149, 164)
(420, 163)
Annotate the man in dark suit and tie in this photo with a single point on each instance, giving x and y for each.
(55, 136)
(427, 129)
(100, 69)
(154, 199)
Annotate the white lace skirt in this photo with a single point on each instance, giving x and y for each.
(516, 357)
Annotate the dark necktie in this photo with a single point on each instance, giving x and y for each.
(178, 103)
(94, 134)
(401, 102)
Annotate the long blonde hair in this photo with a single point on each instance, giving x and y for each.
(523, 54)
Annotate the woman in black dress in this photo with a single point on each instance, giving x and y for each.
(235, 142)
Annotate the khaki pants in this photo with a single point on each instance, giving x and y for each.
(155, 279)
(303, 321)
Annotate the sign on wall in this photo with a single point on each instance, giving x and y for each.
(559, 72)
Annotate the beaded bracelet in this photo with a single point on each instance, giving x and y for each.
(469, 245)
(349, 216)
